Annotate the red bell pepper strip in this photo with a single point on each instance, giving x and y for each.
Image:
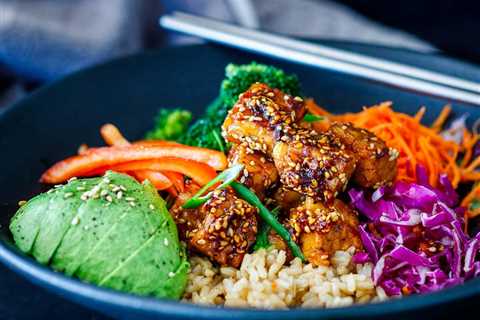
(110, 156)
(160, 181)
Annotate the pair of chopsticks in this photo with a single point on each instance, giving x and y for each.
(380, 70)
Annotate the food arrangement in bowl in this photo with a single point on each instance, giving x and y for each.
(267, 201)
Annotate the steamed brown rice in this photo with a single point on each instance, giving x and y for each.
(266, 280)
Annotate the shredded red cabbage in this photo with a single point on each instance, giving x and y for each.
(415, 238)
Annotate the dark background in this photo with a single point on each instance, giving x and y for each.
(452, 26)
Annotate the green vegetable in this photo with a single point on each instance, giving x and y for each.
(206, 131)
(475, 204)
(262, 236)
(312, 118)
(111, 231)
(227, 177)
(240, 77)
(268, 217)
(170, 124)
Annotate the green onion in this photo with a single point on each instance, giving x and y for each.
(227, 176)
(312, 118)
(475, 204)
(219, 140)
(268, 217)
(262, 236)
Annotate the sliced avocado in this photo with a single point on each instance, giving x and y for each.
(168, 269)
(127, 242)
(63, 206)
(25, 227)
(126, 236)
(87, 232)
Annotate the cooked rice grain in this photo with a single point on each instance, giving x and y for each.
(265, 280)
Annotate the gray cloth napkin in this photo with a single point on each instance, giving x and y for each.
(45, 39)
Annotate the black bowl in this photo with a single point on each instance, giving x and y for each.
(51, 123)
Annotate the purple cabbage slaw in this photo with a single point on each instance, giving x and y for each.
(415, 238)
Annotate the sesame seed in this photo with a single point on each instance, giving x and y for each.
(72, 179)
(165, 242)
(130, 198)
(171, 274)
(119, 195)
(109, 198)
(75, 220)
(68, 195)
(21, 203)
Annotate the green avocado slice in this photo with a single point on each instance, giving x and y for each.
(152, 269)
(25, 227)
(127, 242)
(63, 205)
(129, 233)
(89, 228)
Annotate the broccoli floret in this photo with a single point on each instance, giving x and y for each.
(205, 131)
(170, 124)
(240, 77)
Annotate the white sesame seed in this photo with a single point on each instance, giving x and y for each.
(75, 220)
(171, 274)
(151, 206)
(109, 198)
(72, 179)
(119, 195)
(165, 242)
(129, 198)
(68, 195)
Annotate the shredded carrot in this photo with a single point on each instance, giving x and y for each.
(442, 117)
(416, 144)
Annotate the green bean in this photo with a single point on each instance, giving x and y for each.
(268, 217)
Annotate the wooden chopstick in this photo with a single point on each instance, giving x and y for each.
(384, 71)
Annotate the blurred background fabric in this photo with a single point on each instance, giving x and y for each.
(41, 40)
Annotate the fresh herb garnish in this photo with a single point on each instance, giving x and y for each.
(268, 217)
(312, 118)
(227, 177)
(262, 241)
